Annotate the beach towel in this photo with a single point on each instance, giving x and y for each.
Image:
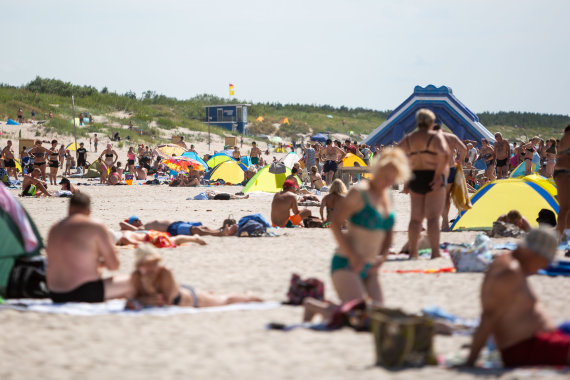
(475, 258)
(557, 268)
(117, 307)
(257, 217)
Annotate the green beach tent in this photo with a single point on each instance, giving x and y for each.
(266, 181)
(12, 247)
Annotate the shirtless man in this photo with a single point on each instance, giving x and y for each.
(9, 163)
(515, 217)
(511, 312)
(332, 156)
(95, 142)
(458, 152)
(488, 155)
(32, 184)
(155, 285)
(283, 202)
(78, 248)
(177, 228)
(255, 153)
(503, 153)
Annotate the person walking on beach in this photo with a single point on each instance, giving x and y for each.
(255, 154)
(332, 156)
(9, 160)
(81, 155)
(503, 154)
(20, 116)
(561, 176)
(95, 142)
(61, 155)
(78, 249)
(458, 152)
(368, 212)
(523, 332)
(429, 157)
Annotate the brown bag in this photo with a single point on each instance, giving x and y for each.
(313, 222)
(402, 339)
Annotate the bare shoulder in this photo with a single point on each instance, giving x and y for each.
(504, 268)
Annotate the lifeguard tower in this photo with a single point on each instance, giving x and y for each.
(232, 117)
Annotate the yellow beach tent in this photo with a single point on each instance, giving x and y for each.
(266, 181)
(528, 195)
(72, 146)
(352, 160)
(229, 171)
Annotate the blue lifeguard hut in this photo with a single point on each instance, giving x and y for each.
(232, 117)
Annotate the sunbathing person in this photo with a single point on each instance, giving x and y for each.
(32, 184)
(515, 217)
(220, 196)
(283, 202)
(175, 228)
(331, 201)
(512, 314)
(316, 179)
(158, 239)
(369, 213)
(66, 185)
(78, 249)
(155, 285)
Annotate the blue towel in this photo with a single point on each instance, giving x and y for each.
(558, 268)
(257, 217)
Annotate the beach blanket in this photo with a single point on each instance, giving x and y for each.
(424, 271)
(557, 268)
(117, 307)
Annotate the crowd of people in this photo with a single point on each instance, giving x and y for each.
(361, 220)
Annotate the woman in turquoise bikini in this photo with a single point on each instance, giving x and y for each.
(362, 247)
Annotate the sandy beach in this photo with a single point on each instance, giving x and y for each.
(234, 344)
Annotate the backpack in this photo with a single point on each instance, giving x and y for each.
(300, 289)
(352, 313)
(28, 278)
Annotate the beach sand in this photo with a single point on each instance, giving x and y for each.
(234, 344)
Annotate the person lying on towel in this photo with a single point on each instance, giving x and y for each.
(174, 228)
(284, 201)
(155, 286)
(512, 314)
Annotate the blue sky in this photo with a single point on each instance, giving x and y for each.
(495, 55)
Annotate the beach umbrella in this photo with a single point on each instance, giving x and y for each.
(217, 159)
(182, 164)
(277, 168)
(194, 156)
(168, 150)
(275, 139)
(72, 146)
(290, 159)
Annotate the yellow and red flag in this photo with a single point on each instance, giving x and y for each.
(232, 88)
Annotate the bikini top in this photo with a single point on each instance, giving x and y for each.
(422, 151)
(109, 155)
(131, 156)
(56, 153)
(370, 218)
(38, 154)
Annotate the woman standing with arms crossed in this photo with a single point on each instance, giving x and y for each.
(368, 212)
(53, 163)
(429, 160)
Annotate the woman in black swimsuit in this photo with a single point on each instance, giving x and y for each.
(527, 153)
(53, 163)
(109, 153)
(38, 153)
(429, 159)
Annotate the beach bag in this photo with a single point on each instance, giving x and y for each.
(300, 289)
(459, 192)
(503, 229)
(313, 222)
(402, 339)
(251, 228)
(353, 314)
(28, 278)
(475, 258)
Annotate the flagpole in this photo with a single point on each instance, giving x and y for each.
(74, 127)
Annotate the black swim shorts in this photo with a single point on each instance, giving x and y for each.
(501, 163)
(91, 292)
(10, 163)
(330, 166)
